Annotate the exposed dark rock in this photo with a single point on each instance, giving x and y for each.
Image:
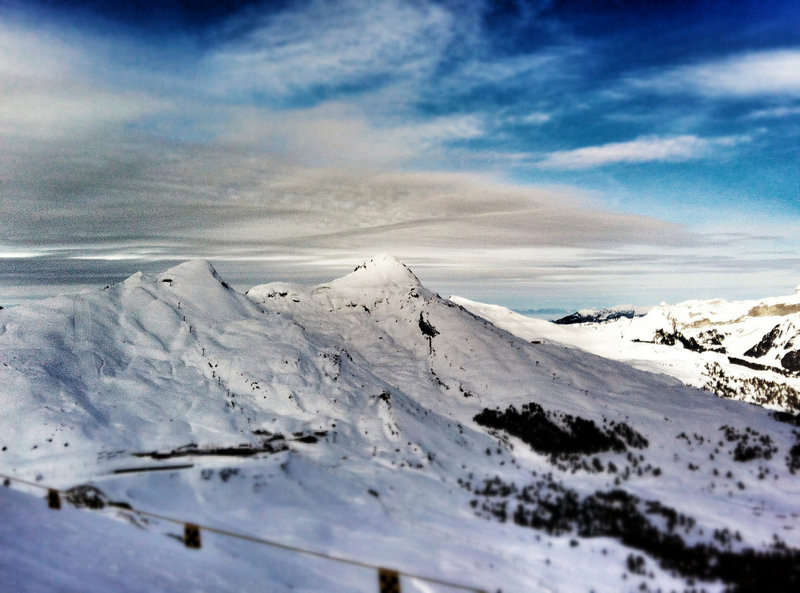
(791, 361)
(755, 365)
(711, 341)
(426, 328)
(597, 316)
(766, 344)
(309, 439)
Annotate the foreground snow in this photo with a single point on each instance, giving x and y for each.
(358, 409)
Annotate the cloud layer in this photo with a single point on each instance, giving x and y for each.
(48, 92)
(319, 48)
(229, 202)
(515, 142)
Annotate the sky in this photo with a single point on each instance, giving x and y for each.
(551, 154)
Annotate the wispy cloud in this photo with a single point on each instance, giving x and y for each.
(70, 111)
(535, 118)
(27, 56)
(47, 90)
(746, 75)
(339, 133)
(230, 200)
(775, 112)
(322, 47)
(641, 150)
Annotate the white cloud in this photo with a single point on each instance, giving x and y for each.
(641, 150)
(68, 112)
(536, 118)
(30, 55)
(338, 133)
(495, 71)
(233, 200)
(332, 44)
(752, 74)
(47, 89)
(775, 112)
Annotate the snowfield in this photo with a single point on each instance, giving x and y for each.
(370, 419)
(745, 350)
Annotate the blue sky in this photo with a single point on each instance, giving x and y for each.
(535, 154)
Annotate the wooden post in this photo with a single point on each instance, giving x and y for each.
(388, 581)
(191, 536)
(53, 499)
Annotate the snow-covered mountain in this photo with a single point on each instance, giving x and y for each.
(747, 350)
(602, 315)
(370, 419)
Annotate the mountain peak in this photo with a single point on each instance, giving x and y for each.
(193, 271)
(380, 271)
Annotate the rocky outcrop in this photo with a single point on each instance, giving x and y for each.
(791, 361)
(766, 343)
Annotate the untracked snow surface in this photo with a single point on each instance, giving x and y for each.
(369, 419)
(745, 350)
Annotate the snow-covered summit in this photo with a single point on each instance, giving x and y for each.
(383, 272)
(194, 271)
(382, 281)
(198, 287)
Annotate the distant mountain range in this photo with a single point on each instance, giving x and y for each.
(602, 315)
(369, 419)
(746, 350)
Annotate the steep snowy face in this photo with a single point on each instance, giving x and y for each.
(781, 341)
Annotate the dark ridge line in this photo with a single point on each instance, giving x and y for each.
(761, 367)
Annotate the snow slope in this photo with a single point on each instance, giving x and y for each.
(368, 418)
(746, 350)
